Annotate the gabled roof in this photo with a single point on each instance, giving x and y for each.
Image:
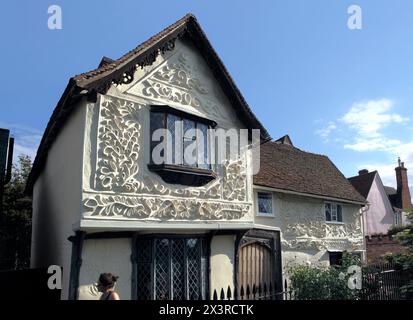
(285, 167)
(121, 71)
(363, 182)
(285, 140)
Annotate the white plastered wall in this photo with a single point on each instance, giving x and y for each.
(222, 263)
(108, 255)
(57, 199)
(306, 238)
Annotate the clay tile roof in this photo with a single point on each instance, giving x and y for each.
(363, 182)
(117, 71)
(283, 166)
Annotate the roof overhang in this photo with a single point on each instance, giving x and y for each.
(317, 196)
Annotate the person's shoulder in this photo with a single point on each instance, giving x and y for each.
(115, 296)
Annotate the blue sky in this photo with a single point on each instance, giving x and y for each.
(340, 92)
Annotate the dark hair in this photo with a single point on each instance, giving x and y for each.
(107, 280)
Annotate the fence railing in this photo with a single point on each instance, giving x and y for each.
(262, 291)
(379, 282)
(383, 281)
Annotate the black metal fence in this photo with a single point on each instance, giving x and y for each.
(383, 282)
(262, 291)
(379, 282)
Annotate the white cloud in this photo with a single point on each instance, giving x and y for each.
(26, 139)
(324, 133)
(369, 117)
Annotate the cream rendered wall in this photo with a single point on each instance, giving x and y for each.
(57, 196)
(222, 263)
(108, 255)
(306, 237)
(118, 186)
(379, 216)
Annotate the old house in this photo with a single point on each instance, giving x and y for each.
(386, 204)
(316, 209)
(177, 229)
(386, 209)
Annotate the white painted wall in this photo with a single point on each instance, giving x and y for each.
(57, 196)
(222, 263)
(306, 237)
(133, 193)
(108, 255)
(379, 216)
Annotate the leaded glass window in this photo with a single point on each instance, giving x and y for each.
(264, 200)
(333, 212)
(189, 145)
(172, 268)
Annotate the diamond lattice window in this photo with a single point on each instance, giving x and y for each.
(171, 268)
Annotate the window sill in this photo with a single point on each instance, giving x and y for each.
(335, 222)
(188, 176)
(265, 215)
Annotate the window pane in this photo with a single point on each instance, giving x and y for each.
(333, 212)
(339, 213)
(203, 141)
(265, 203)
(336, 258)
(190, 154)
(162, 274)
(173, 126)
(328, 211)
(156, 122)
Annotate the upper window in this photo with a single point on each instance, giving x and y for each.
(334, 212)
(398, 219)
(180, 146)
(264, 204)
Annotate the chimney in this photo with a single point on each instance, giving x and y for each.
(403, 192)
(364, 171)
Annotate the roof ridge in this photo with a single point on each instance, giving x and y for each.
(122, 59)
(298, 149)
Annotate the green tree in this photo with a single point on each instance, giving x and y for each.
(15, 225)
(405, 260)
(330, 283)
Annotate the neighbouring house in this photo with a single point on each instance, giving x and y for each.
(316, 209)
(178, 229)
(386, 209)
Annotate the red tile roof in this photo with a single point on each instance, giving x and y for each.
(285, 167)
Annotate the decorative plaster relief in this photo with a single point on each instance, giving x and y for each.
(118, 136)
(119, 146)
(180, 80)
(157, 208)
(305, 228)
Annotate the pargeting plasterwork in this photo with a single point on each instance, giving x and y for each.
(307, 229)
(140, 194)
(184, 80)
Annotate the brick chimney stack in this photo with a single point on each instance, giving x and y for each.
(403, 192)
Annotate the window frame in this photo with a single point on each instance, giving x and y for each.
(397, 219)
(264, 214)
(204, 249)
(181, 173)
(336, 204)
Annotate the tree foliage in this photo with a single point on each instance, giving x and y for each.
(405, 260)
(331, 283)
(15, 227)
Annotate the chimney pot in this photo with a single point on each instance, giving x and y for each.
(363, 171)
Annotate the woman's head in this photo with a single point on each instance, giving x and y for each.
(107, 280)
